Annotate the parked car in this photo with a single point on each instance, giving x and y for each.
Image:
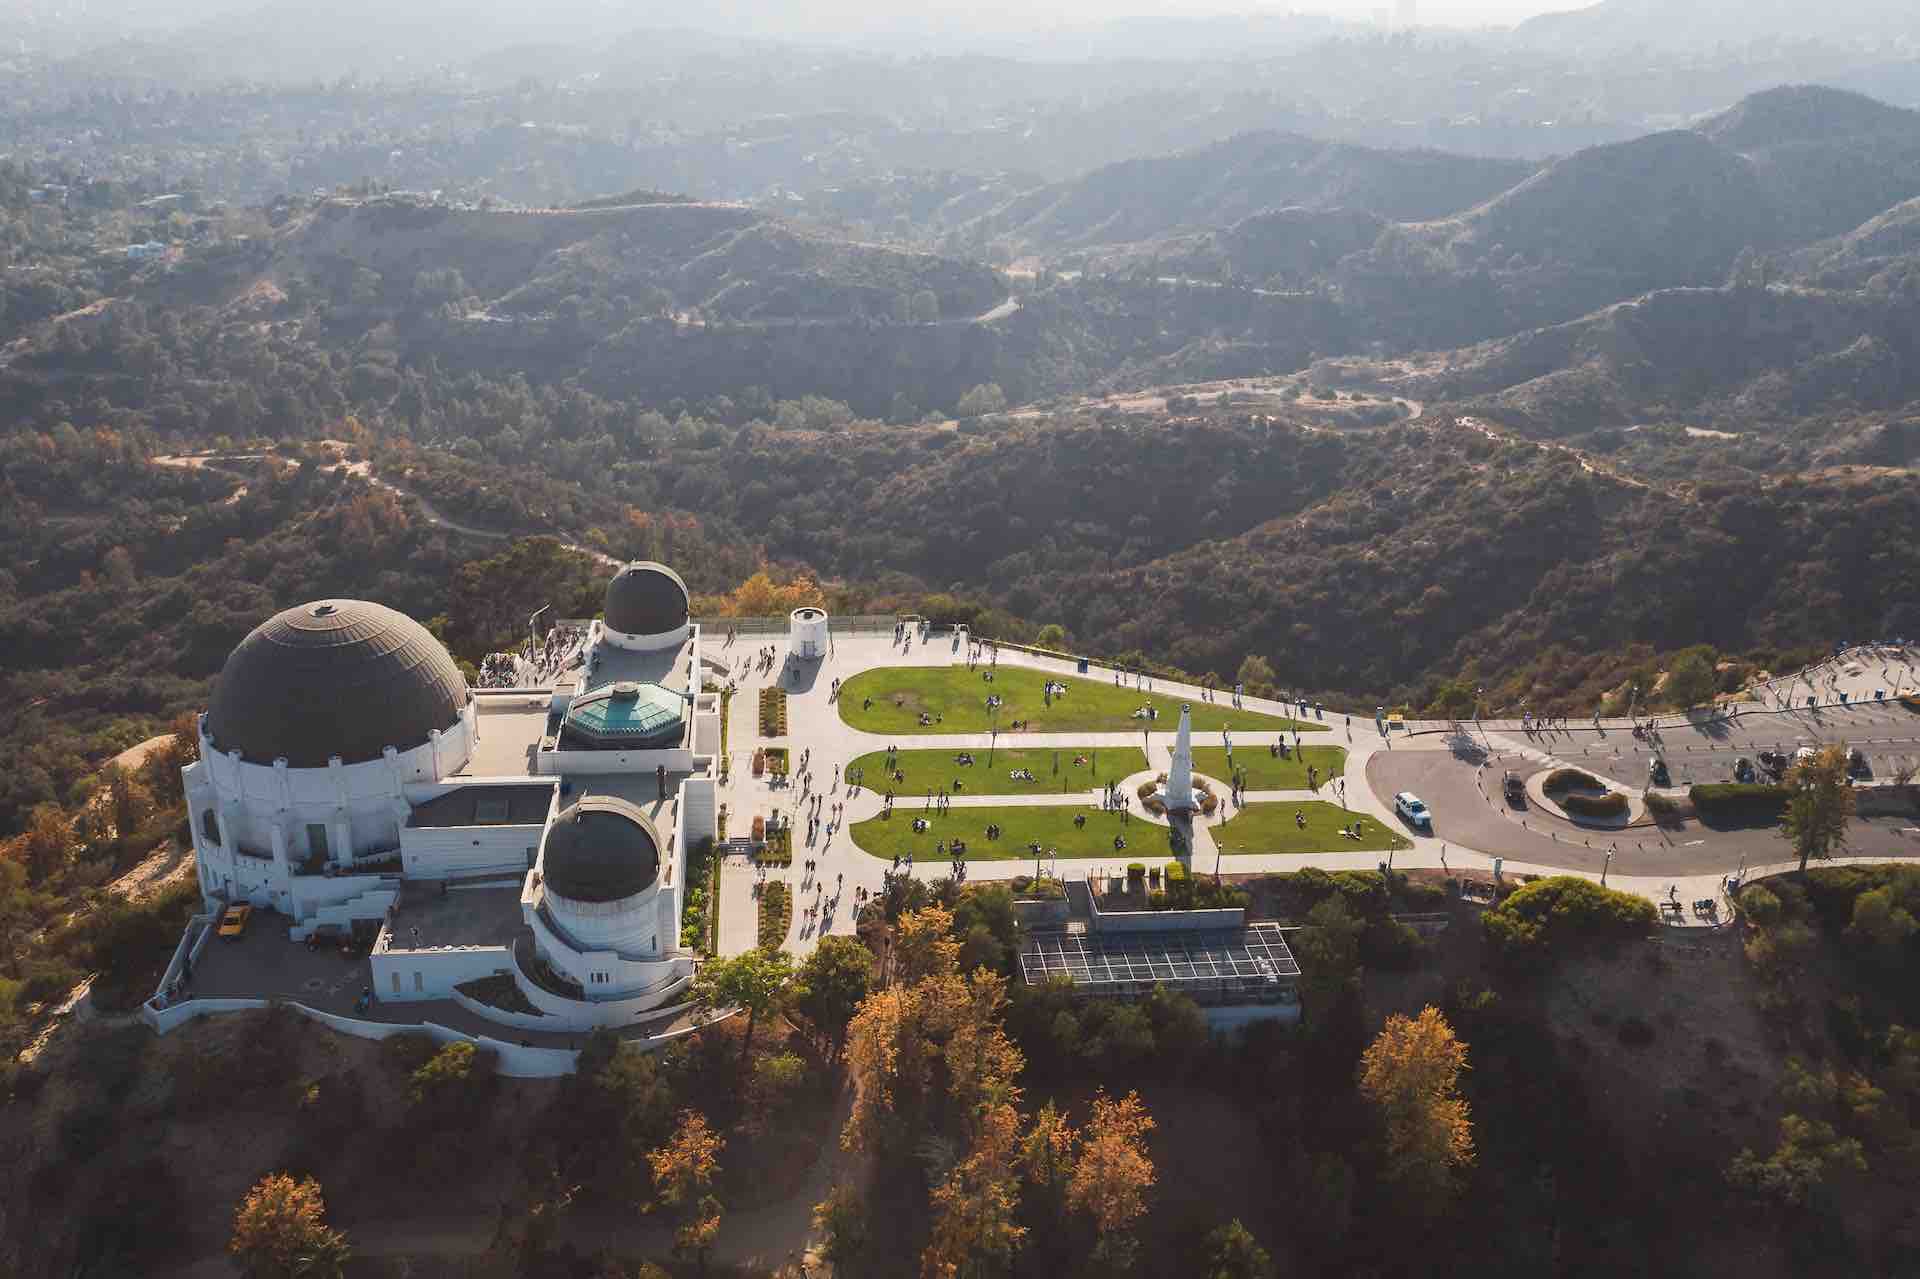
(234, 922)
(1657, 774)
(1743, 769)
(1774, 762)
(1515, 789)
(1413, 810)
(1857, 765)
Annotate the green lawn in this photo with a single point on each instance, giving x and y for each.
(936, 770)
(1270, 828)
(955, 698)
(1270, 772)
(1021, 825)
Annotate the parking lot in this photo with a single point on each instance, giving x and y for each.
(1469, 810)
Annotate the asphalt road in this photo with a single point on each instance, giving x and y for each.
(1887, 735)
(1469, 811)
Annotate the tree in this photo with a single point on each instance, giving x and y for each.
(1882, 923)
(48, 842)
(974, 1233)
(1256, 672)
(1691, 679)
(923, 945)
(981, 400)
(926, 307)
(1231, 1252)
(755, 982)
(845, 1232)
(1411, 1074)
(1113, 1174)
(1053, 636)
(1819, 804)
(683, 1172)
(828, 987)
(1329, 952)
(280, 1232)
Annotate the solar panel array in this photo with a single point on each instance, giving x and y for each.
(1242, 959)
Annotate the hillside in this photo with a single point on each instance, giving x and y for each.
(1444, 550)
(1827, 160)
(1216, 186)
(1749, 356)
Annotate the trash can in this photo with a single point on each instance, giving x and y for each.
(1081, 666)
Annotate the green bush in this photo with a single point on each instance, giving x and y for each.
(1760, 906)
(1564, 914)
(1611, 804)
(1739, 800)
(1569, 778)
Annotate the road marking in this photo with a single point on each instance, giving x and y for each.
(1692, 842)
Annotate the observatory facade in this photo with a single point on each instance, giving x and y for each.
(352, 784)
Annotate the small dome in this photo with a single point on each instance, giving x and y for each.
(334, 677)
(600, 849)
(626, 716)
(645, 598)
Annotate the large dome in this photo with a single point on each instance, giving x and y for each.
(334, 677)
(645, 598)
(601, 849)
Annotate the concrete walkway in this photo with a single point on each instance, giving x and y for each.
(815, 727)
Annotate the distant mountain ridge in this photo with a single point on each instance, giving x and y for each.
(1687, 23)
(1214, 186)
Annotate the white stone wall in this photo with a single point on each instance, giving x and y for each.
(409, 976)
(605, 974)
(644, 643)
(442, 852)
(807, 633)
(559, 763)
(269, 808)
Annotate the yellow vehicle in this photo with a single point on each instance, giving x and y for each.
(234, 922)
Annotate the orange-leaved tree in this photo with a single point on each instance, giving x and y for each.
(1411, 1074)
(1113, 1174)
(280, 1231)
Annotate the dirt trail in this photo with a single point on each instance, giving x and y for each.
(428, 512)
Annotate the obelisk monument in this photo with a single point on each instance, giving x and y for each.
(1179, 793)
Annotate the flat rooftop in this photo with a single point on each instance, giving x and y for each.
(667, 667)
(429, 915)
(517, 805)
(510, 729)
(1228, 960)
(638, 788)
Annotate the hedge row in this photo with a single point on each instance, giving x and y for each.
(1739, 799)
(1568, 778)
(1611, 804)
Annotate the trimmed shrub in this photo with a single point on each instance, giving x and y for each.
(1611, 804)
(1562, 914)
(1569, 778)
(1739, 800)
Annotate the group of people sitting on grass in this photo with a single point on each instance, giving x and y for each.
(921, 825)
(1016, 775)
(928, 721)
(1149, 711)
(993, 830)
(964, 759)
